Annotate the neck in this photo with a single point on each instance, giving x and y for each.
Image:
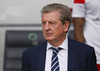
(57, 43)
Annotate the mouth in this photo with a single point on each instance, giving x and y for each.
(48, 34)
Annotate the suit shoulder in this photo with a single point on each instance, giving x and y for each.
(80, 45)
(35, 49)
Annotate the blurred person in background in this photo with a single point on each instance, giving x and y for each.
(72, 55)
(86, 19)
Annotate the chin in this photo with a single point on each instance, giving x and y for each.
(48, 39)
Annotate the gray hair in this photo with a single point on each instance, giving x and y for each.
(65, 12)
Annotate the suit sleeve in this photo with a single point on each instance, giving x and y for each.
(92, 62)
(25, 64)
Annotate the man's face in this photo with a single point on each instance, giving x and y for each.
(53, 29)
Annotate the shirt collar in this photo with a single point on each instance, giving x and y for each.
(64, 45)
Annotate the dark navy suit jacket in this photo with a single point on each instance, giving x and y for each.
(81, 57)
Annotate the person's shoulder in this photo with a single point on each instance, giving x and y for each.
(34, 49)
(80, 45)
(82, 50)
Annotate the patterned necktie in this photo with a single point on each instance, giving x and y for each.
(55, 61)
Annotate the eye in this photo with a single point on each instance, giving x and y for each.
(43, 22)
(52, 23)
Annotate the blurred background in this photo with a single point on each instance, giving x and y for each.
(20, 16)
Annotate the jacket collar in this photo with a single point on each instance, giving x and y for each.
(71, 55)
(42, 57)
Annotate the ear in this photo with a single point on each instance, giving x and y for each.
(66, 26)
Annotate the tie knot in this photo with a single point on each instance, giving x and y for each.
(56, 50)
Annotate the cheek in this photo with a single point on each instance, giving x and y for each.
(43, 28)
(58, 31)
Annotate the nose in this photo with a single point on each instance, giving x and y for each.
(47, 26)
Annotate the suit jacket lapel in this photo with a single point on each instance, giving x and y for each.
(71, 56)
(41, 57)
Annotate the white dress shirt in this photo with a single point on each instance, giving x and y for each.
(62, 55)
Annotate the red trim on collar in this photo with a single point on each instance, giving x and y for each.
(79, 1)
